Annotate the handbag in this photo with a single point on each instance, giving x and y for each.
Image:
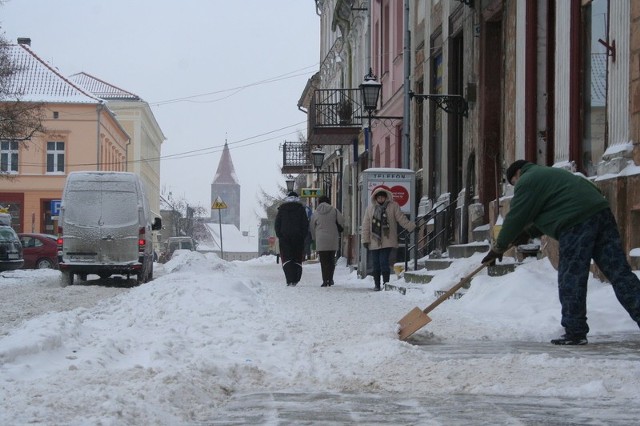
(340, 227)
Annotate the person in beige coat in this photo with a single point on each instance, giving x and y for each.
(325, 225)
(380, 232)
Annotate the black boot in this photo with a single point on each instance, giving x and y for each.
(570, 339)
(376, 280)
(385, 277)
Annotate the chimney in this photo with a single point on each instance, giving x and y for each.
(24, 40)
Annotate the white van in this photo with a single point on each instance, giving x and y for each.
(105, 227)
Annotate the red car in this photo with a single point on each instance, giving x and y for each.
(39, 251)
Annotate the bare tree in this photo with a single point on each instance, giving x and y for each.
(270, 203)
(19, 120)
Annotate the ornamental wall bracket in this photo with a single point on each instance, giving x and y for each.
(453, 104)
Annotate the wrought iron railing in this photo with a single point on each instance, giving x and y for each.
(439, 237)
(336, 108)
(296, 154)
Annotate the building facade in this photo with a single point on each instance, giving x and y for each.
(136, 117)
(489, 82)
(90, 125)
(81, 133)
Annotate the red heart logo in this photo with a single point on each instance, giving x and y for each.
(400, 194)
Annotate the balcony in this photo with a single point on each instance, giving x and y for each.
(335, 116)
(296, 158)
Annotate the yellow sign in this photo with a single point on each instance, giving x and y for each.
(218, 204)
(311, 192)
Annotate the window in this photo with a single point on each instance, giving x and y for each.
(55, 157)
(9, 156)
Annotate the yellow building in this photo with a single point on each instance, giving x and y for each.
(81, 133)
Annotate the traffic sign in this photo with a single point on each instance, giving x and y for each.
(218, 204)
(311, 192)
(55, 207)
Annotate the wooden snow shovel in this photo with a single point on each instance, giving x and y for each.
(417, 318)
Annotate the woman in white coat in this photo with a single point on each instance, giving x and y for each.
(325, 226)
(380, 232)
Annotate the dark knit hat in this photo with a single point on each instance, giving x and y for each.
(514, 167)
(292, 194)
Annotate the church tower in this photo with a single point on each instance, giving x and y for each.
(225, 185)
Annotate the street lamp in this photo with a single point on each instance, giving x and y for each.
(290, 181)
(317, 159)
(370, 91)
(317, 156)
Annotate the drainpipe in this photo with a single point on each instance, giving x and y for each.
(126, 155)
(98, 125)
(368, 135)
(406, 88)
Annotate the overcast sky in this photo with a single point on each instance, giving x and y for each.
(202, 66)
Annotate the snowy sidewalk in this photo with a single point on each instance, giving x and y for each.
(417, 408)
(215, 342)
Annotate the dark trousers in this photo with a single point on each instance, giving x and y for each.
(596, 238)
(327, 265)
(292, 256)
(380, 261)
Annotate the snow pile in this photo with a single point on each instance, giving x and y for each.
(175, 349)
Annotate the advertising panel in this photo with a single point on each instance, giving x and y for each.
(401, 183)
(397, 181)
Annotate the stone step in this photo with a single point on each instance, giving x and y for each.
(436, 264)
(500, 269)
(460, 251)
(456, 295)
(417, 278)
(481, 233)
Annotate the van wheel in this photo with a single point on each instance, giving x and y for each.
(139, 278)
(66, 278)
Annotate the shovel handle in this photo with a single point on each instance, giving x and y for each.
(455, 288)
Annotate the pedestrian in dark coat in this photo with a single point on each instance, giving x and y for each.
(326, 225)
(291, 229)
(570, 209)
(380, 231)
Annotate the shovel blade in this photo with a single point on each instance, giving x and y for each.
(412, 322)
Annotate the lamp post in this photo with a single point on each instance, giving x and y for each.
(370, 91)
(317, 158)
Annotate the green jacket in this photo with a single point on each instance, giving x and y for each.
(551, 200)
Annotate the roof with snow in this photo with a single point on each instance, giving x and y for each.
(226, 173)
(232, 240)
(102, 89)
(37, 81)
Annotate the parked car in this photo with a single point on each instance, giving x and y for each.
(105, 226)
(176, 243)
(40, 251)
(10, 249)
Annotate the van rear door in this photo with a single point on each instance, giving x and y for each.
(101, 222)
